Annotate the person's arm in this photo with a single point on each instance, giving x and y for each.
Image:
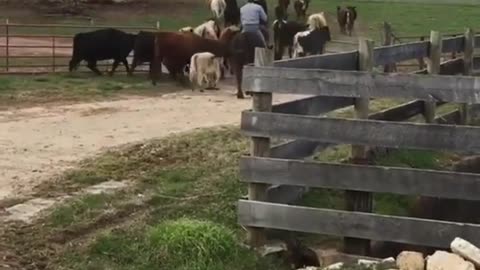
(263, 16)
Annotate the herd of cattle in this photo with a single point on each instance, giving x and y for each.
(208, 50)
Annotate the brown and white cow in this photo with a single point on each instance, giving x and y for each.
(204, 71)
(346, 17)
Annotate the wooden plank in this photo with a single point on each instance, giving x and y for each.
(313, 105)
(462, 139)
(335, 61)
(452, 67)
(399, 53)
(453, 44)
(299, 149)
(450, 118)
(399, 113)
(358, 84)
(355, 224)
(477, 41)
(260, 146)
(476, 63)
(378, 179)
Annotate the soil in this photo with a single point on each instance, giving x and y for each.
(39, 142)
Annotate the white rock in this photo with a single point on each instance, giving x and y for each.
(388, 260)
(409, 260)
(442, 260)
(466, 250)
(366, 263)
(334, 266)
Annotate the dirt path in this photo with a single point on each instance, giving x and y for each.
(39, 142)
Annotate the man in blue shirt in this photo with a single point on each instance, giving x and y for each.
(253, 17)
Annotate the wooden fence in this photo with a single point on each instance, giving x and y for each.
(336, 81)
(49, 50)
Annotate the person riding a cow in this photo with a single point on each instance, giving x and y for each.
(254, 19)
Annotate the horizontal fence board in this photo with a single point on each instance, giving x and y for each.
(477, 41)
(399, 113)
(449, 118)
(75, 26)
(403, 181)
(452, 67)
(453, 44)
(463, 139)
(401, 52)
(297, 149)
(461, 89)
(312, 105)
(355, 224)
(335, 61)
(476, 63)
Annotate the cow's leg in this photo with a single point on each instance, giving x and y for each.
(134, 65)
(239, 75)
(155, 70)
(73, 64)
(114, 67)
(92, 65)
(290, 51)
(125, 63)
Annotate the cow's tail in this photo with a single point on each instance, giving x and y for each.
(192, 75)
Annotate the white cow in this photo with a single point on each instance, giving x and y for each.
(218, 8)
(208, 29)
(186, 29)
(204, 70)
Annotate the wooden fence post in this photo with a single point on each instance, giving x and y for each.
(469, 46)
(355, 200)
(433, 67)
(7, 44)
(260, 146)
(387, 40)
(421, 62)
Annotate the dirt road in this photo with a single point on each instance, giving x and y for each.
(39, 142)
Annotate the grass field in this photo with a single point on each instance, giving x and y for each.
(407, 17)
(184, 179)
(27, 90)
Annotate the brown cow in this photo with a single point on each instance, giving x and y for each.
(175, 50)
(346, 17)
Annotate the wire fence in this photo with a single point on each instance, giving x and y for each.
(49, 49)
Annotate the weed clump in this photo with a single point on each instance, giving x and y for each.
(194, 244)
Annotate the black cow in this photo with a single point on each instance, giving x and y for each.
(311, 42)
(232, 13)
(283, 34)
(143, 49)
(103, 44)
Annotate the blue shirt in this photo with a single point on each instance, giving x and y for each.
(252, 13)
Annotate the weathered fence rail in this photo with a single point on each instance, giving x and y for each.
(278, 175)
